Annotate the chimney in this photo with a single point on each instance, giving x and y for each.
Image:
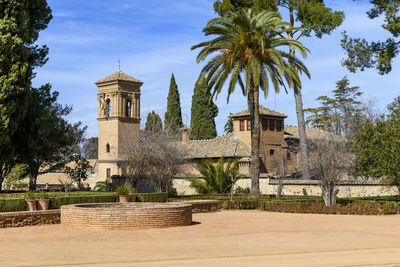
(185, 135)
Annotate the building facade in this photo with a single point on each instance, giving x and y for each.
(118, 121)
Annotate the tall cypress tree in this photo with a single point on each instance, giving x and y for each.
(153, 123)
(173, 116)
(202, 124)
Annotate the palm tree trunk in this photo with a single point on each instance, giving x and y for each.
(253, 101)
(299, 112)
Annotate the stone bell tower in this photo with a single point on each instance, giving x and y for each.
(119, 121)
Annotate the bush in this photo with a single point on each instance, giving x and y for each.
(152, 197)
(122, 190)
(12, 204)
(56, 203)
(42, 195)
(18, 204)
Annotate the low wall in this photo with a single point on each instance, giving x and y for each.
(269, 186)
(29, 218)
(202, 206)
(125, 216)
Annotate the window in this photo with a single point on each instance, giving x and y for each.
(121, 171)
(108, 173)
(271, 152)
(241, 125)
(107, 108)
(108, 148)
(248, 125)
(264, 124)
(271, 125)
(128, 108)
(288, 156)
(278, 125)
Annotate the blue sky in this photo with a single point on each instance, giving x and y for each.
(152, 38)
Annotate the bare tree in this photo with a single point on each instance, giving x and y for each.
(153, 157)
(332, 161)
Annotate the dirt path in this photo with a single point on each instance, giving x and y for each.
(229, 238)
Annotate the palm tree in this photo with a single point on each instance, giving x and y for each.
(247, 43)
(218, 178)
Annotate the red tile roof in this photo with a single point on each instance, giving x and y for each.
(263, 111)
(119, 76)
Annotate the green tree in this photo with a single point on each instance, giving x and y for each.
(362, 54)
(228, 128)
(248, 43)
(14, 179)
(216, 179)
(173, 116)
(45, 136)
(20, 24)
(313, 18)
(79, 171)
(378, 149)
(343, 114)
(153, 123)
(203, 113)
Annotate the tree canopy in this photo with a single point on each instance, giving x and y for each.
(378, 149)
(343, 114)
(20, 23)
(203, 112)
(173, 117)
(153, 123)
(45, 136)
(362, 54)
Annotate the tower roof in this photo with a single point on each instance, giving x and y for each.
(119, 76)
(263, 111)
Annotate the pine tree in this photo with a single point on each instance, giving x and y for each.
(202, 124)
(153, 123)
(343, 114)
(229, 124)
(173, 116)
(20, 24)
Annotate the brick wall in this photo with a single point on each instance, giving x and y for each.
(28, 218)
(126, 215)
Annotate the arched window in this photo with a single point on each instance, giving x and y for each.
(108, 148)
(107, 108)
(128, 108)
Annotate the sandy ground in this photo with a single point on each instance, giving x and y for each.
(228, 238)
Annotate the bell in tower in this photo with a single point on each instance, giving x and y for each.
(118, 119)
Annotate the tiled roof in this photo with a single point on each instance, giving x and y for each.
(119, 75)
(311, 133)
(225, 145)
(263, 111)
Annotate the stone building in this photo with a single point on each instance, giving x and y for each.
(278, 145)
(118, 121)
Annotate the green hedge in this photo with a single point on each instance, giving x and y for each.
(371, 208)
(18, 204)
(12, 204)
(152, 197)
(57, 202)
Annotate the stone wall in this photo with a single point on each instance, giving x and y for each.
(29, 218)
(300, 187)
(124, 216)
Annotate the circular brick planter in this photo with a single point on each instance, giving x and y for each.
(136, 215)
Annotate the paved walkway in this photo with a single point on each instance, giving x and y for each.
(228, 238)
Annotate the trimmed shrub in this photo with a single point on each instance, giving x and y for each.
(18, 204)
(152, 197)
(12, 204)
